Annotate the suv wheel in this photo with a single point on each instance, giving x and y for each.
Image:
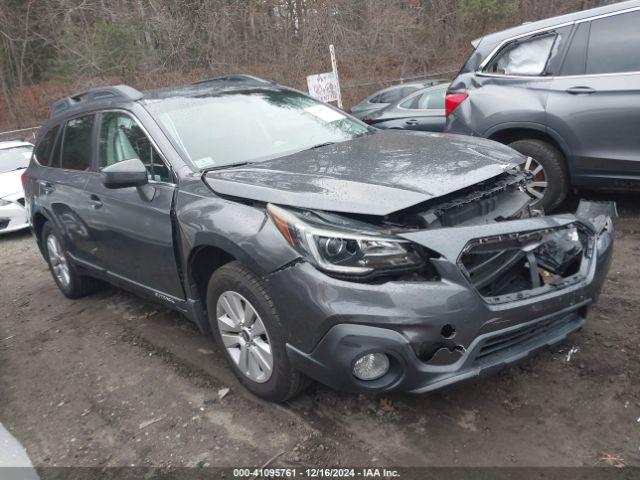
(550, 180)
(246, 326)
(70, 283)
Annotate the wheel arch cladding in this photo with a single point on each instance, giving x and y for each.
(202, 262)
(37, 223)
(513, 133)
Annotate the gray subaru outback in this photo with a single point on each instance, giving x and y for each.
(565, 92)
(307, 243)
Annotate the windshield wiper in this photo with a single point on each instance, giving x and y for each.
(230, 165)
(313, 147)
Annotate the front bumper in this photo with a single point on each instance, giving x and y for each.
(331, 323)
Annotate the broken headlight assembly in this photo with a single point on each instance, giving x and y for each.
(341, 249)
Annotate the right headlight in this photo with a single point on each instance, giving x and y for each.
(4, 203)
(343, 250)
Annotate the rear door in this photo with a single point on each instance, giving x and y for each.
(132, 226)
(424, 111)
(594, 105)
(61, 184)
(382, 100)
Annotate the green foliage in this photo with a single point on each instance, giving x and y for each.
(61, 65)
(487, 11)
(111, 48)
(117, 47)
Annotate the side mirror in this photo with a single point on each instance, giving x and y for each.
(128, 173)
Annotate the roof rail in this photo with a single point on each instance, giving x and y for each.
(123, 92)
(232, 78)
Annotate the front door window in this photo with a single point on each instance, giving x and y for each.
(121, 138)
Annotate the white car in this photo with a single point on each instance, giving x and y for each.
(14, 159)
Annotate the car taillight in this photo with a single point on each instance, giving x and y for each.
(452, 100)
(23, 177)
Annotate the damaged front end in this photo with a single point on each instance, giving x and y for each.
(492, 289)
(504, 268)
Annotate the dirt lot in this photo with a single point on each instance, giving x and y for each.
(112, 380)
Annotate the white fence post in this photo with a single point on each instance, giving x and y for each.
(334, 67)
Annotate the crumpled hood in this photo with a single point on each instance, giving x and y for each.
(373, 175)
(10, 183)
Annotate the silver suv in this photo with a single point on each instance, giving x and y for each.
(563, 91)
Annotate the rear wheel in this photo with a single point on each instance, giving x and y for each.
(547, 165)
(70, 283)
(247, 328)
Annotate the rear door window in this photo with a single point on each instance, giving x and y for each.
(76, 144)
(394, 95)
(614, 44)
(430, 100)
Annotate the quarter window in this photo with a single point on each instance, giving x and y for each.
(54, 161)
(526, 57)
(614, 44)
(76, 145)
(43, 150)
(121, 138)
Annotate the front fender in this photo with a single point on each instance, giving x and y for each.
(243, 231)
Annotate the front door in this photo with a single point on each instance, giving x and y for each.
(132, 226)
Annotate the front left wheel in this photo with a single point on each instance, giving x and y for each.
(246, 326)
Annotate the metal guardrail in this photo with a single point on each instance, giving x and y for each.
(442, 73)
(24, 134)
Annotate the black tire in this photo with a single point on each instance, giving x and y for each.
(78, 285)
(555, 170)
(285, 382)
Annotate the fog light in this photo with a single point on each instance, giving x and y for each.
(371, 366)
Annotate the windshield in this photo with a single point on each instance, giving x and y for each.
(250, 126)
(15, 158)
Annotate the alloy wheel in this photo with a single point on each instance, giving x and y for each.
(538, 187)
(244, 336)
(58, 261)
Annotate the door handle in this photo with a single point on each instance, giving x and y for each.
(411, 121)
(580, 90)
(95, 201)
(47, 187)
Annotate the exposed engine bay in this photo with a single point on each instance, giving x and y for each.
(502, 268)
(494, 200)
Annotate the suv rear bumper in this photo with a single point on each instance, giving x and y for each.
(332, 323)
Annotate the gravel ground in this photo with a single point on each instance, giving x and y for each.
(112, 380)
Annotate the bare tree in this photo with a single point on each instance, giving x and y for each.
(48, 49)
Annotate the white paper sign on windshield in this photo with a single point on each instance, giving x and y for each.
(325, 113)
